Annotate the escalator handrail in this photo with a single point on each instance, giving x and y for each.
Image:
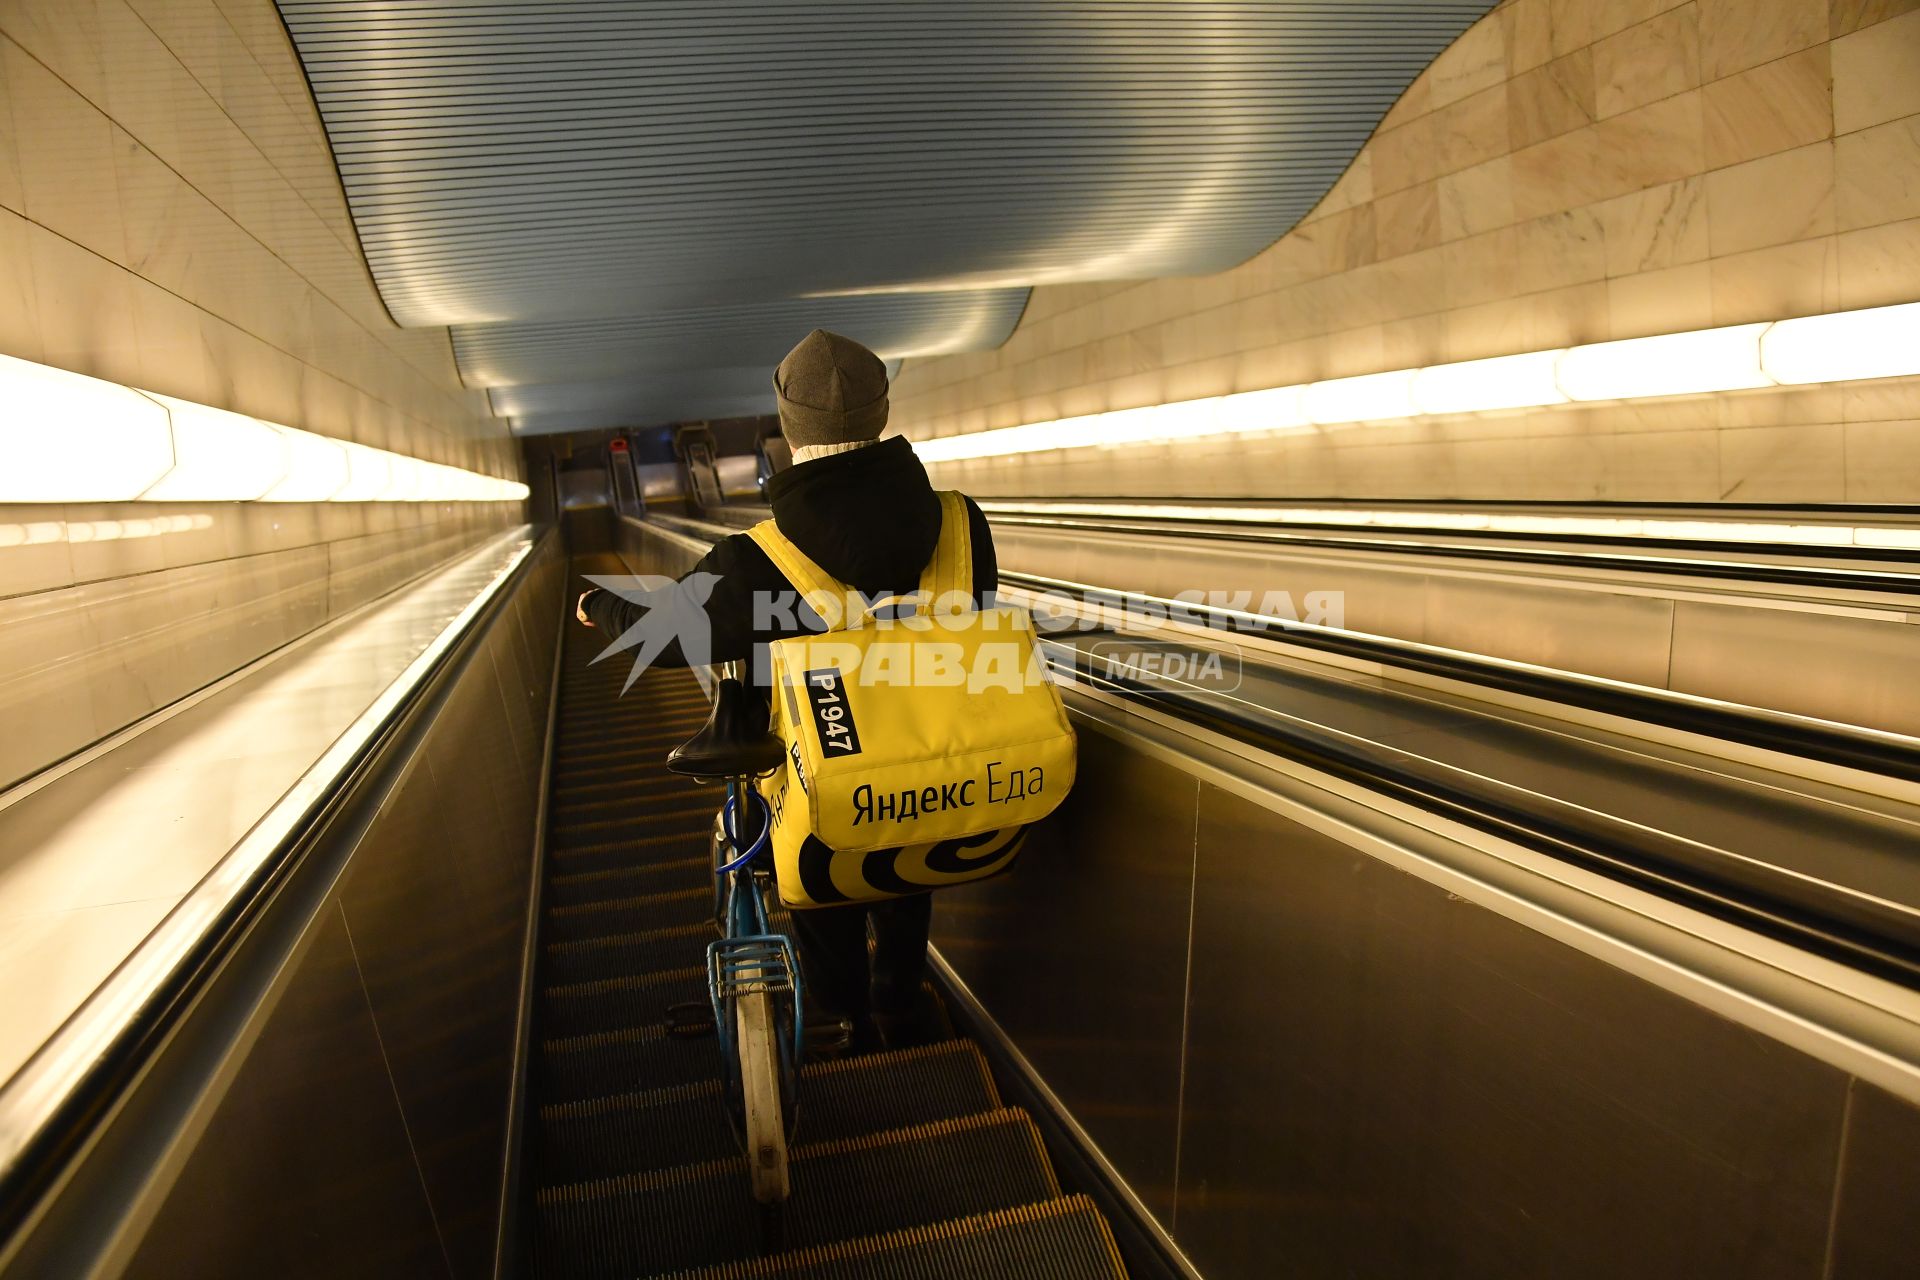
(1395, 542)
(1856, 747)
(1856, 928)
(1827, 918)
(57, 1095)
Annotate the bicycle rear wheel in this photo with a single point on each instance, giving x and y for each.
(757, 1035)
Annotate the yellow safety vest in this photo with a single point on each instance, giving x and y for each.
(918, 747)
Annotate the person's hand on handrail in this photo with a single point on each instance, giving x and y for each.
(580, 607)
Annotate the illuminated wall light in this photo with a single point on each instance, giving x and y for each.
(404, 478)
(317, 468)
(1369, 397)
(1876, 343)
(69, 438)
(1810, 535)
(1479, 386)
(1272, 409)
(34, 534)
(1881, 342)
(218, 456)
(1158, 422)
(434, 485)
(1897, 539)
(1670, 364)
(66, 437)
(369, 472)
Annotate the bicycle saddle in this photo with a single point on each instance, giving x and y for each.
(733, 743)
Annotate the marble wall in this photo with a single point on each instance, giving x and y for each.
(171, 218)
(1569, 171)
(111, 612)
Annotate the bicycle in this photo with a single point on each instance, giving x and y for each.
(753, 974)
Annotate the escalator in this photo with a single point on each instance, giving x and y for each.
(904, 1163)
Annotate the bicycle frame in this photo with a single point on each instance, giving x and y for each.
(749, 954)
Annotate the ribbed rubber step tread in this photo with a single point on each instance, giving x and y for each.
(1064, 1239)
(650, 769)
(598, 1138)
(652, 783)
(628, 810)
(632, 1133)
(584, 959)
(653, 876)
(617, 915)
(570, 759)
(897, 1090)
(629, 712)
(699, 1215)
(656, 702)
(623, 1061)
(578, 831)
(669, 845)
(608, 1004)
(601, 737)
(650, 728)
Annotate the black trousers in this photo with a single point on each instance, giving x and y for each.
(834, 960)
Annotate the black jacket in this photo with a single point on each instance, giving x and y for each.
(869, 517)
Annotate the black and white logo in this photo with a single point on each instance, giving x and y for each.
(832, 714)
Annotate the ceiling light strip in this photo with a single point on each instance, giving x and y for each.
(66, 437)
(1880, 342)
(1799, 534)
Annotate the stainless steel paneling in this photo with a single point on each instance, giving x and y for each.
(1389, 601)
(514, 678)
(1879, 1203)
(1561, 625)
(1383, 1080)
(647, 550)
(1081, 954)
(366, 1132)
(437, 990)
(1818, 664)
(576, 160)
(79, 662)
(305, 1170)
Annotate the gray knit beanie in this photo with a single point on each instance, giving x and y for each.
(831, 390)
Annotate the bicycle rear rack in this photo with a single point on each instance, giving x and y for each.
(757, 962)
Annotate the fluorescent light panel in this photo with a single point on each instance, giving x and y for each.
(66, 437)
(1880, 342)
(1782, 534)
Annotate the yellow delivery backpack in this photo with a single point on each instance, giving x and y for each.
(918, 746)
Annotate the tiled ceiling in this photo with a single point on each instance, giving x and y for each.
(628, 210)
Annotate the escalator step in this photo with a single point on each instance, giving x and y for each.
(608, 1004)
(629, 812)
(632, 1133)
(571, 760)
(597, 1138)
(590, 733)
(586, 958)
(1064, 1239)
(897, 1090)
(651, 783)
(622, 1061)
(672, 845)
(618, 915)
(580, 831)
(571, 887)
(698, 1215)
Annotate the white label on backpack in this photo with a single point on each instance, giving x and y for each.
(832, 714)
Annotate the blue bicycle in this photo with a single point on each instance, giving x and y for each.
(753, 975)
